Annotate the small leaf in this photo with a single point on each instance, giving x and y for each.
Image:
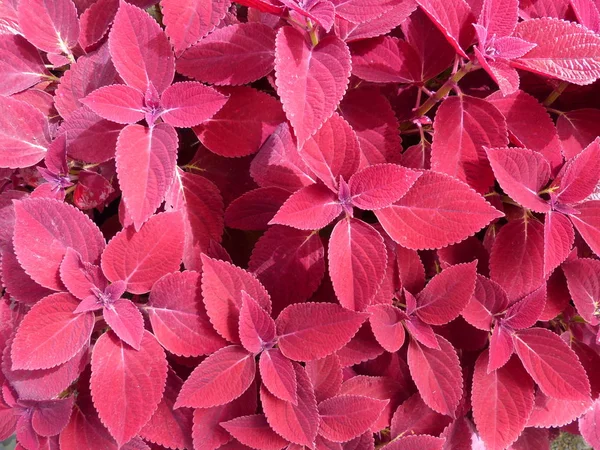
(386, 323)
(278, 375)
(413, 416)
(577, 129)
(126, 321)
(21, 65)
(257, 328)
(255, 209)
(587, 221)
(558, 240)
(310, 208)
(254, 431)
(118, 103)
(188, 104)
(526, 312)
(326, 376)
(589, 423)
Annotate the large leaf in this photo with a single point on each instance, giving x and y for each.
(357, 262)
(233, 55)
(21, 65)
(580, 175)
(309, 331)
(311, 81)
(438, 210)
(56, 226)
(577, 129)
(51, 334)
(345, 417)
(141, 258)
(178, 317)
(219, 379)
(127, 385)
(463, 126)
(552, 364)
(146, 160)
(140, 50)
(502, 402)
(564, 50)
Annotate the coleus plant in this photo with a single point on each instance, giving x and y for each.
(299, 224)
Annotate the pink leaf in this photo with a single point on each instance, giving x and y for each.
(361, 348)
(257, 328)
(333, 152)
(312, 207)
(17, 283)
(380, 185)
(222, 286)
(233, 55)
(413, 416)
(552, 364)
(278, 375)
(499, 17)
(21, 65)
(311, 331)
(348, 416)
(51, 334)
(302, 71)
(437, 375)
(126, 321)
(580, 175)
(447, 294)
(146, 160)
(56, 226)
(178, 317)
(254, 431)
(357, 261)
(189, 20)
(359, 11)
(255, 209)
(577, 129)
(50, 417)
(118, 103)
(24, 134)
(79, 277)
(587, 14)
(530, 9)
(437, 211)
(552, 412)
(521, 174)
(587, 221)
(502, 402)
(219, 379)
(127, 385)
(421, 331)
(284, 254)
(295, 423)
(188, 104)
(463, 126)
(386, 323)
(416, 443)
(583, 278)
(589, 425)
(134, 32)
(243, 125)
(564, 50)
(526, 312)
(95, 22)
(141, 258)
(501, 347)
(51, 26)
(326, 376)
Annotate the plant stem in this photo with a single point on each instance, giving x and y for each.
(312, 32)
(555, 93)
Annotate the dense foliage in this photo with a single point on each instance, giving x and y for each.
(320, 224)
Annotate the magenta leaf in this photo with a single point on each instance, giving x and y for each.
(587, 221)
(278, 375)
(526, 312)
(257, 328)
(132, 380)
(95, 21)
(579, 176)
(386, 323)
(589, 423)
(188, 104)
(577, 129)
(20, 64)
(326, 376)
(141, 258)
(501, 347)
(118, 103)
(255, 432)
(413, 416)
(80, 277)
(416, 443)
(583, 278)
(124, 318)
(255, 209)
(303, 70)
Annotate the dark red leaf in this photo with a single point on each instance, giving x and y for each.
(255, 209)
(254, 431)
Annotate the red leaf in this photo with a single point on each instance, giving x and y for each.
(386, 323)
(127, 385)
(416, 443)
(257, 328)
(499, 17)
(502, 402)
(51, 26)
(529, 124)
(85, 429)
(348, 416)
(589, 425)
(188, 104)
(357, 262)
(283, 254)
(95, 22)
(20, 64)
(146, 160)
(530, 9)
(126, 321)
(517, 257)
(526, 312)
(501, 347)
(558, 240)
(437, 211)
(447, 294)
(452, 18)
(552, 412)
(587, 14)
(201, 205)
(178, 317)
(521, 174)
(587, 221)
(326, 376)
(552, 364)
(24, 134)
(233, 55)
(219, 379)
(189, 20)
(463, 126)
(359, 11)
(437, 374)
(222, 286)
(254, 209)
(310, 208)
(134, 32)
(583, 278)
(278, 375)
(363, 442)
(311, 331)
(302, 71)
(168, 427)
(362, 347)
(244, 123)
(254, 431)
(564, 50)
(92, 190)
(380, 185)
(333, 152)
(56, 226)
(118, 103)
(415, 417)
(296, 423)
(17, 283)
(141, 258)
(577, 129)
(580, 175)
(533, 439)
